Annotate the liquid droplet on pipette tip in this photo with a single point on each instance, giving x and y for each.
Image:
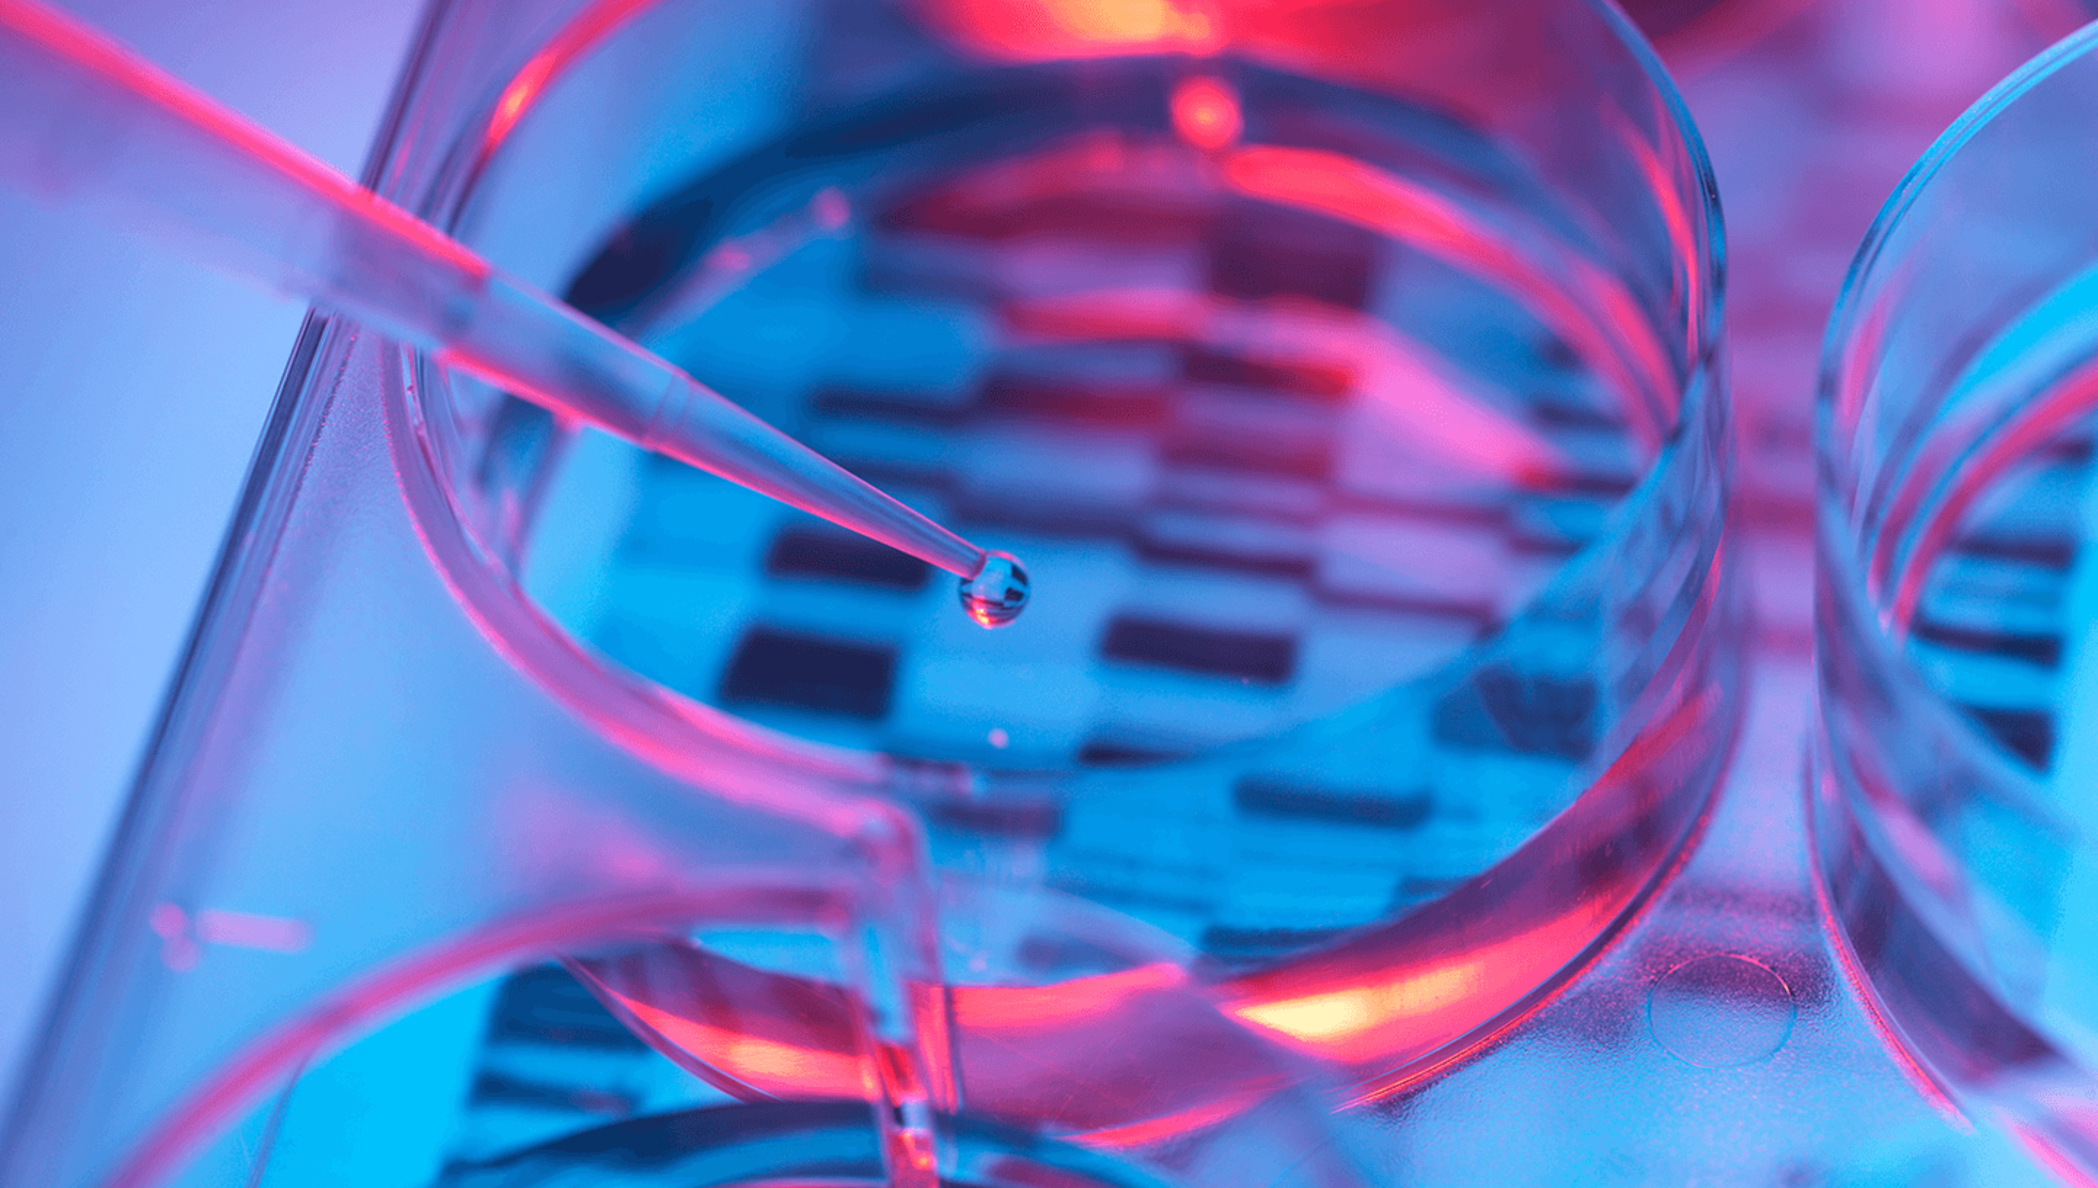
(998, 592)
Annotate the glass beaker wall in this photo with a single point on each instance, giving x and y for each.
(1955, 778)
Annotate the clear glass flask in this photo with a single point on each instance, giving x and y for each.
(1347, 376)
(1954, 788)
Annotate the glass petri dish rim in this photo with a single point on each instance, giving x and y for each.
(1935, 992)
(373, 998)
(1843, 313)
(1846, 574)
(714, 748)
(377, 996)
(534, 639)
(1845, 571)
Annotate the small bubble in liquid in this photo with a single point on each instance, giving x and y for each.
(998, 592)
(999, 738)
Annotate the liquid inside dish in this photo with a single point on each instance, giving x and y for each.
(1299, 402)
(1280, 426)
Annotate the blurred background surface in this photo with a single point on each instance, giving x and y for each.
(139, 383)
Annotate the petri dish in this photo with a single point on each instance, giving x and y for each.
(1354, 410)
(1376, 718)
(1953, 786)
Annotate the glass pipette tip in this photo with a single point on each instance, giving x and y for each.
(90, 122)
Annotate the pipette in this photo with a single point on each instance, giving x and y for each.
(85, 120)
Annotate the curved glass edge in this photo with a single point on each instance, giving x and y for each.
(1910, 930)
(144, 1020)
(1941, 1015)
(70, 1021)
(1703, 397)
(1713, 223)
(1690, 682)
(1843, 314)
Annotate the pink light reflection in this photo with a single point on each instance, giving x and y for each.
(575, 39)
(1048, 30)
(1458, 971)
(1943, 498)
(1103, 1058)
(1089, 1055)
(1344, 188)
(125, 72)
(1206, 113)
(1396, 378)
(245, 930)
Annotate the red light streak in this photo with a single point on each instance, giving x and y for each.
(2047, 1155)
(1445, 979)
(124, 71)
(1079, 1056)
(1344, 188)
(1045, 30)
(1193, 1118)
(1953, 493)
(785, 1069)
(1314, 179)
(1395, 377)
(575, 39)
(991, 1008)
(1399, 993)
(1371, 1019)
(1682, 239)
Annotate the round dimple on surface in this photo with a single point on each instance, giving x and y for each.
(1721, 1011)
